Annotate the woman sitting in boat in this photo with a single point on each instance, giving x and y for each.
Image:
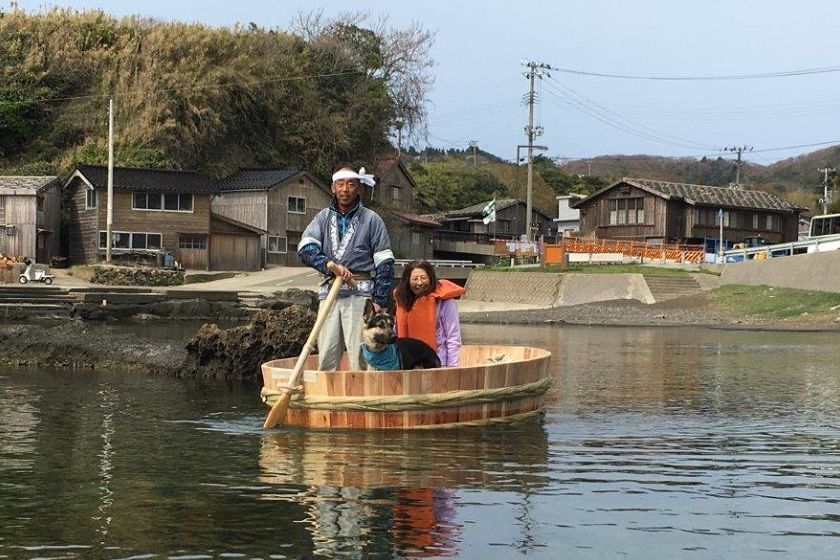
(426, 310)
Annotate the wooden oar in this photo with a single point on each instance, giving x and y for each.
(277, 414)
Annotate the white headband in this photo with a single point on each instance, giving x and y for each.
(361, 176)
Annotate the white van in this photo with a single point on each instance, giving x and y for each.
(827, 228)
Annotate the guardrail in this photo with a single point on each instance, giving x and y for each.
(784, 249)
(443, 262)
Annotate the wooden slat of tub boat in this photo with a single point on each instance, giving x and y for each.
(520, 365)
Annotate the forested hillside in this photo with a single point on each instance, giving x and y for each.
(193, 96)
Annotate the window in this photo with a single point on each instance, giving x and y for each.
(168, 202)
(2, 210)
(627, 211)
(774, 222)
(277, 244)
(297, 205)
(41, 200)
(415, 238)
(138, 241)
(90, 199)
(395, 193)
(820, 225)
(148, 241)
(192, 242)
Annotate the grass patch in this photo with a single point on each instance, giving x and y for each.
(581, 268)
(775, 303)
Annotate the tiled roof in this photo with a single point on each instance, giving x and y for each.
(168, 180)
(32, 183)
(245, 179)
(414, 218)
(474, 211)
(713, 196)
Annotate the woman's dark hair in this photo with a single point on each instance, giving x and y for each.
(403, 294)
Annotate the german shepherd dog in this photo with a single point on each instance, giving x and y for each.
(379, 340)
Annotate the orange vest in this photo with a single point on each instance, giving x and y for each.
(421, 321)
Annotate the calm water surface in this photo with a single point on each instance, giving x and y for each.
(658, 444)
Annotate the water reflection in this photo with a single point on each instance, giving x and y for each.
(400, 490)
(657, 444)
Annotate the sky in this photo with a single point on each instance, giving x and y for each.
(480, 84)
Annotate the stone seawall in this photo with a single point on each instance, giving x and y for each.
(814, 271)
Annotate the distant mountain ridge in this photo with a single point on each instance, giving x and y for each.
(799, 172)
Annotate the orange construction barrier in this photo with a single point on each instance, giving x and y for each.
(668, 252)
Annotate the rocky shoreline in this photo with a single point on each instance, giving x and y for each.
(133, 338)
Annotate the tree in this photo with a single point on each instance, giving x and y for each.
(399, 57)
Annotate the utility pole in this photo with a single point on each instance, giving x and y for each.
(474, 145)
(535, 70)
(109, 220)
(399, 125)
(826, 199)
(738, 149)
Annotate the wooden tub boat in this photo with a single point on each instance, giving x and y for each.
(494, 384)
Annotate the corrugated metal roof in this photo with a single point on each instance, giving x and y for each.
(245, 179)
(157, 180)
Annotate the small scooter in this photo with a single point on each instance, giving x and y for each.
(39, 275)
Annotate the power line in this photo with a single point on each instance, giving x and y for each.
(784, 74)
(586, 105)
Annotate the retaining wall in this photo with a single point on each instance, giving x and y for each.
(814, 271)
(555, 289)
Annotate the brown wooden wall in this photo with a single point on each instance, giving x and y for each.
(234, 252)
(394, 180)
(83, 226)
(20, 212)
(595, 217)
(291, 225)
(248, 207)
(402, 240)
(169, 224)
(788, 230)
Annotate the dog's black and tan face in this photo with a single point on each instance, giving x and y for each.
(379, 328)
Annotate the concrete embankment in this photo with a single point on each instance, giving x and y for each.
(559, 289)
(814, 271)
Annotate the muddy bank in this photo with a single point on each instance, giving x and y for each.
(234, 347)
(151, 344)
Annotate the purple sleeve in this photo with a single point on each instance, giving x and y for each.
(449, 334)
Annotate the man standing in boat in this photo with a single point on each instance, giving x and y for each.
(350, 241)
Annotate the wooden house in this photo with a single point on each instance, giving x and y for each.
(666, 212)
(279, 201)
(154, 211)
(510, 221)
(464, 235)
(30, 214)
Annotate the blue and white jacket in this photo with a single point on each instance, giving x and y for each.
(357, 240)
